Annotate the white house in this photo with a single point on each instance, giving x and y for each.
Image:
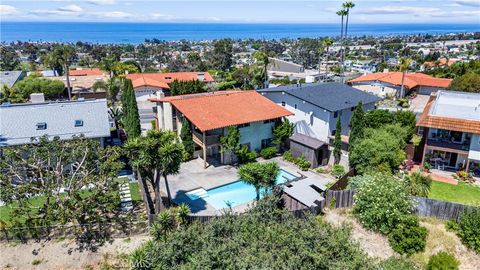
(19, 123)
(316, 107)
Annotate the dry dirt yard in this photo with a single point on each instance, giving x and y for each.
(438, 239)
(64, 254)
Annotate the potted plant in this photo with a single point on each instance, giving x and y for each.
(427, 166)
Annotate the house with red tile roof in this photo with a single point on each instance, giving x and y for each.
(389, 83)
(86, 72)
(442, 62)
(210, 114)
(450, 126)
(146, 84)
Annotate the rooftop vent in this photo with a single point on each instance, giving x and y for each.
(201, 76)
(41, 126)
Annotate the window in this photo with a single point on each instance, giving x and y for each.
(78, 123)
(266, 142)
(333, 132)
(353, 109)
(244, 125)
(41, 126)
(335, 114)
(283, 103)
(295, 106)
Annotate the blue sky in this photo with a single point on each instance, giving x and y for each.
(246, 11)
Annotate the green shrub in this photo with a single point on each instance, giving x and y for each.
(338, 170)
(355, 182)
(245, 156)
(442, 261)
(288, 156)
(268, 152)
(302, 163)
(469, 229)
(408, 237)
(320, 170)
(393, 263)
(427, 166)
(382, 203)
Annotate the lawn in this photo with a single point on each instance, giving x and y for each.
(462, 193)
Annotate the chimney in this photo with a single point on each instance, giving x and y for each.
(201, 76)
(37, 98)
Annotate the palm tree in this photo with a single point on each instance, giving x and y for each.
(404, 65)
(327, 43)
(259, 175)
(163, 225)
(182, 214)
(64, 55)
(157, 154)
(418, 183)
(262, 60)
(341, 13)
(347, 6)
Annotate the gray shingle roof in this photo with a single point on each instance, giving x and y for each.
(303, 192)
(330, 96)
(9, 78)
(18, 122)
(308, 141)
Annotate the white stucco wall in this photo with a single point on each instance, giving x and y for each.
(377, 88)
(321, 121)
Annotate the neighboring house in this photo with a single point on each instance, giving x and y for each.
(389, 83)
(210, 115)
(442, 62)
(316, 107)
(450, 125)
(19, 123)
(146, 85)
(43, 73)
(9, 78)
(278, 69)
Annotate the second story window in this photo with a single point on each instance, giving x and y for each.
(78, 123)
(283, 103)
(335, 114)
(41, 126)
(244, 125)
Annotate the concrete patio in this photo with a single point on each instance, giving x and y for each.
(192, 176)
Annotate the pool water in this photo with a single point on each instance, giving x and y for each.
(234, 194)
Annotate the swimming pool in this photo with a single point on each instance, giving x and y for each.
(233, 194)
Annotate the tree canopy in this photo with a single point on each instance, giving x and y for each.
(469, 82)
(186, 87)
(32, 84)
(131, 117)
(73, 179)
(379, 150)
(259, 175)
(265, 237)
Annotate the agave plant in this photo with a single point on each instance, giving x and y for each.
(182, 214)
(164, 224)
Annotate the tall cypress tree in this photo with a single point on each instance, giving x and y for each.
(357, 124)
(187, 140)
(131, 117)
(337, 143)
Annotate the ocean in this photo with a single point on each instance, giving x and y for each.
(135, 33)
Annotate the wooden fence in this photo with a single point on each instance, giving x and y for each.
(440, 209)
(342, 183)
(424, 207)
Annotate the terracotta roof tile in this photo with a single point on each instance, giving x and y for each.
(447, 123)
(411, 79)
(86, 72)
(161, 80)
(230, 108)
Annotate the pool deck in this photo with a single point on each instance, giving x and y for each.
(193, 176)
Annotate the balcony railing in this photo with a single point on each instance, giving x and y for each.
(209, 139)
(465, 146)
